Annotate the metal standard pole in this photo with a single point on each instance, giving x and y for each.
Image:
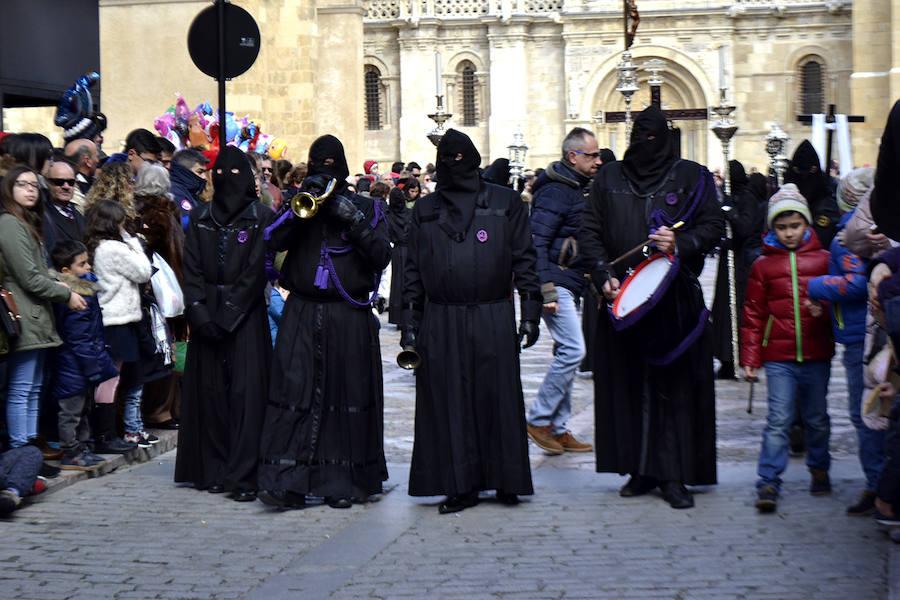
(220, 4)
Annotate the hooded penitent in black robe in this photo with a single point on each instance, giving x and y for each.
(227, 364)
(589, 312)
(885, 208)
(656, 421)
(398, 231)
(804, 171)
(324, 431)
(744, 222)
(469, 246)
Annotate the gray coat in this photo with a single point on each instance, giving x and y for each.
(25, 275)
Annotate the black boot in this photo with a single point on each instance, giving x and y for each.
(676, 494)
(105, 439)
(638, 485)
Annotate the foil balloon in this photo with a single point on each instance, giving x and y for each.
(181, 108)
(231, 127)
(164, 124)
(75, 108)
(196, 135)
(263, 142)
(278, 149)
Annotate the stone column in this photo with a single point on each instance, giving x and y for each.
(872, 85)
(340, 84)
(508, 85)
(417, 54)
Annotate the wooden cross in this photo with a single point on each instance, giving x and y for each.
(829, 118)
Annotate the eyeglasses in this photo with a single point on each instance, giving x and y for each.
(59, 182)
(590, 154)
(31, 184)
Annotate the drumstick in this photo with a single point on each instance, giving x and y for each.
(640, 246)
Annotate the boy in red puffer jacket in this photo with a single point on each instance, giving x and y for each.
(791, 335)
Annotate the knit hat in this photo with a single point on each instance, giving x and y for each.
(367, 166)
(787, 198)
(852, 187)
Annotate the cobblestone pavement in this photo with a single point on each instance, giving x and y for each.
(136, 535)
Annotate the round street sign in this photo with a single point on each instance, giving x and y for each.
(241, 41)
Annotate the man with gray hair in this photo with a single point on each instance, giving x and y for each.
(188, 181)
(558, 202)
(83, 154)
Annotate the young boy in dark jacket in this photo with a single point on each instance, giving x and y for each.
(789, 333)
(82, 361)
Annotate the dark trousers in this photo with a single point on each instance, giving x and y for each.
(19, 468)
(74, 429)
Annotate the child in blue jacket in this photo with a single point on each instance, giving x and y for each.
(845, 287)
(82, 361)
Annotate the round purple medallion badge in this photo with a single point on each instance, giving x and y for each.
(186, 204)
(481, 235)
(242, 237)
(671, 198)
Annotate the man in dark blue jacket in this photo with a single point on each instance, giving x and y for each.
(559, 195)
(188, 181)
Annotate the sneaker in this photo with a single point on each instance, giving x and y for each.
(570, 444)
(9, 501)
(137, 438)
(48, 471)
(83, 461)
(112, 445)
(820, 484)
(40, 484)
(864, 506)
(543, 438)
(765, 499)
(886, 520)
(149, 437)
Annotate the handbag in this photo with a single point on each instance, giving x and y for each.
(10, 319)
(169, 297)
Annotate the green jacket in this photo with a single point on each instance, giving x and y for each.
(25, 275)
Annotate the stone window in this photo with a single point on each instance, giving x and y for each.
(373, 97)
(812, 85)
(468, 93)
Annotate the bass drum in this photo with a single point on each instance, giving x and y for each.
(662, 305)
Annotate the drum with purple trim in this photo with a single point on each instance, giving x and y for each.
(661, 304)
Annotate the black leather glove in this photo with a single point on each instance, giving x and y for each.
(345, 211)
(528, 331)
(210, 332)
(408, 338)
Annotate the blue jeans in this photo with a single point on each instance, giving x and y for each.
(131, 414)
(806, 384)
(553, 405)
(871, 442)
(26, 378)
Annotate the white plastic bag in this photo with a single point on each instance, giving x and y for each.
(169, 296)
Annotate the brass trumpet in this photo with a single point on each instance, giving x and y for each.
(408, 358)
(305, 204)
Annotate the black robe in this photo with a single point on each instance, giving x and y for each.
(744, 226)
(398, 230)
(225, 381)
(470, 413)
(324, 427)
(673, 404)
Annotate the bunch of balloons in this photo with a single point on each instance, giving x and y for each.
(75, 111)
(199, 128)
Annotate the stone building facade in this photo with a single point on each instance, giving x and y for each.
(545, 66)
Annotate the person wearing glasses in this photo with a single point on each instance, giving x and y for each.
(141, 146)
(62, 220)
(557, 205)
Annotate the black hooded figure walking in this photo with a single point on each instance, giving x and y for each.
(743, 215)
(226, 368)
(324, 431)
(654, 414)
(469, 246)
(804, 171)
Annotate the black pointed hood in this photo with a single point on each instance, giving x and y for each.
(804, 171)
(458, 182)
(325, 148)
(650, 154)
(232, 192)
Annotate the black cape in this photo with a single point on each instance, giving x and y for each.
(398, 230)
(225, 382)
(674, 404)
(470, 416)
(324, 431)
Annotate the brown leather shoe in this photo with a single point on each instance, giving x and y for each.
(570, 444)
(543, 437)
(48, 453)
